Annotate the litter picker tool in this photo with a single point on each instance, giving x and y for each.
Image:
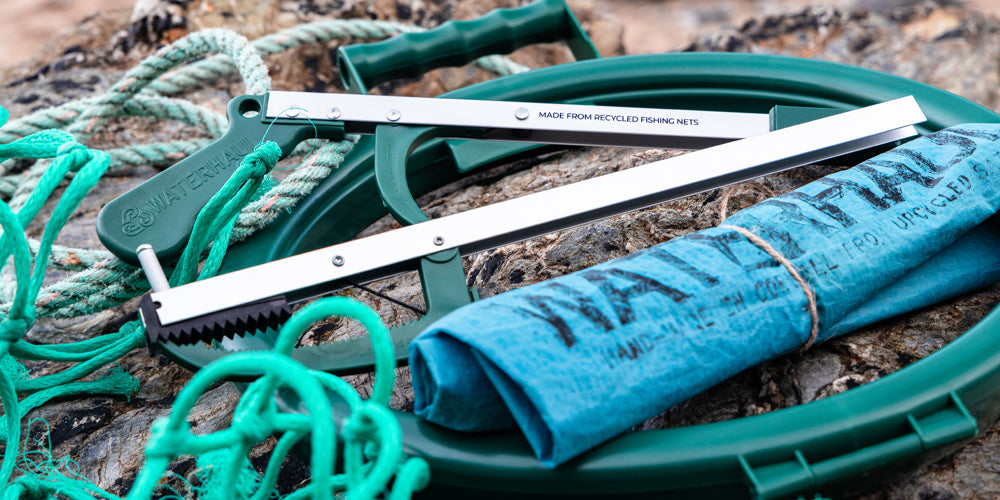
(218, 307)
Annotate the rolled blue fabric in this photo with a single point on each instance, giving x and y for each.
(576, 360)
(971, 262)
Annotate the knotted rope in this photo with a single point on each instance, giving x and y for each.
(87, 167)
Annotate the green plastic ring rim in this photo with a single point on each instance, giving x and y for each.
(793, 450)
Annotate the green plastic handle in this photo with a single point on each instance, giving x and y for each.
(162, 210)
(455, 43)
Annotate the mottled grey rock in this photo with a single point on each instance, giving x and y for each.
(25, 96)
(107, 437)
(950, 48)
(154, 21)
(816, 373)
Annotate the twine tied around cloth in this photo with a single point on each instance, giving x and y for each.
(787, 264)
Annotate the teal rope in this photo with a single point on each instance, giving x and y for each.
(171, 437)
(93, 166)
(87, 167)
(221, 210)
(13, 327)
(29, 184)
(76, 351)
(132, 336)
(381, 340)
(94, 163)
(14, 242)
(372, 436)
(11, 330)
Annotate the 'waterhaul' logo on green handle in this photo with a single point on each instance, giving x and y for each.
(135, 219)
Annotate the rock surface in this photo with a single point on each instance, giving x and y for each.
(951, 48)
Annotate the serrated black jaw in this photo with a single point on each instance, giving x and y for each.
(241, 320)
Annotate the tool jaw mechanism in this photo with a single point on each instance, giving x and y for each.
(257, 316)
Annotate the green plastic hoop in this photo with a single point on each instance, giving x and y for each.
(923, 411)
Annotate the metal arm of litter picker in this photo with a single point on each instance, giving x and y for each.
(201, 310)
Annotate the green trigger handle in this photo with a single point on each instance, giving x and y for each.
(455, 43)
(162, 210)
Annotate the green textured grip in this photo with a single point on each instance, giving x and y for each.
(455, 43)
(162, 210)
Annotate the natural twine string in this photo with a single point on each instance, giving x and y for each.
(784, 261)
(725, 195)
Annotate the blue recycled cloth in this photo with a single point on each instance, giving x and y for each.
(971, 262)
(576, 360)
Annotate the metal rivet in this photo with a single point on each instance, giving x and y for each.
(333, 113)
(393, 115)
(293, 112)
(521, 113)
(438, 240)
(338, 260)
